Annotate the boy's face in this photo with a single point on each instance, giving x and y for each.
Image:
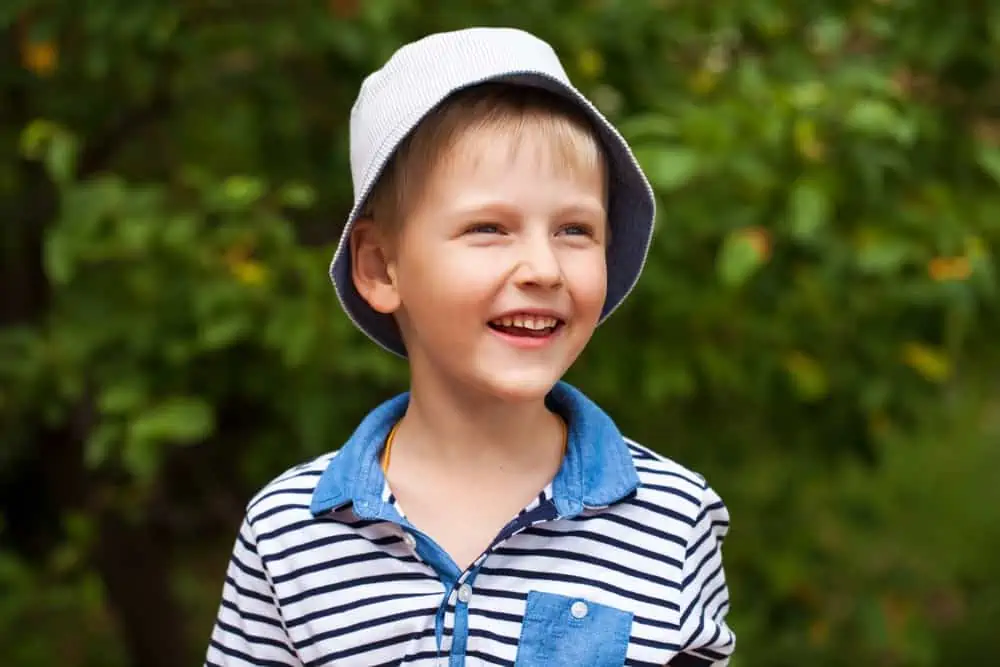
(498, 274)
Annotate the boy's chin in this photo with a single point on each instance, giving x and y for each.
(519, 385)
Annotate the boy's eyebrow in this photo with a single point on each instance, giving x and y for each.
(593, 209)
(584, 208)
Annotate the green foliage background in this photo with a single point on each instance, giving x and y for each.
(812, 331)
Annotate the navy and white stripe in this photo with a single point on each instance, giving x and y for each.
(617, 562)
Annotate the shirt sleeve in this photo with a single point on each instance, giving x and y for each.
(249, 629)
(709, 642)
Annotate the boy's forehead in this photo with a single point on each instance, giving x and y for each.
(499, 149)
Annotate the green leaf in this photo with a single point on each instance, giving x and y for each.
(142, 458)
(669, 168)
(989, 159)
(180, 420)
(930, 362)
(808, 95)
(36, 136)
(808, 210)
(59, 258)
(879, 253)
(101, 442)
(648, 126)
(828, 34)
(879, 118)
(122, 397)
(53, 145)
(738, 259)
(61, 158)
(874, 116)
(224, 331)
(243, 190)
(808, 377)
(297, 195)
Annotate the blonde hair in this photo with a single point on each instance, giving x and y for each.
(511, 111)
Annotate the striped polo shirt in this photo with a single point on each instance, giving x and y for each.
(617, 562)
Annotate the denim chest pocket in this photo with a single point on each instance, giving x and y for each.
(561, 631)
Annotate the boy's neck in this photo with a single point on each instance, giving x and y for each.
(462, 430)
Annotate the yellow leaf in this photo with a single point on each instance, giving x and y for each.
(591, 63)
(931, 363)
(807, 140)
(975, 248)
(40, 57)
(249, 272)
(760, 239)
(943, 269)
(703, 80)
(896, 612)
(819, 632)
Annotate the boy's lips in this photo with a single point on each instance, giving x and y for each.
(528, 328)
(527, 341)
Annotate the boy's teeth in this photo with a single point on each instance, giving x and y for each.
(522, 322)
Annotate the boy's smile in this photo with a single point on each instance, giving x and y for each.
(500, 270)
(528, 328)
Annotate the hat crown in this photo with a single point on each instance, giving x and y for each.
(420, 75)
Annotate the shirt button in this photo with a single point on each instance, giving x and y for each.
(409, 540)
(579, 609)
(465, 593)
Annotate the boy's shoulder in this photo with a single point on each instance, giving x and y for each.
(289, 492)
(651, 464)
(665, 481)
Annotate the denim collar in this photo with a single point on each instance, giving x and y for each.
(597, 470)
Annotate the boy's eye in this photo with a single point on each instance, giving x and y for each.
(577, 230)
(483, 228)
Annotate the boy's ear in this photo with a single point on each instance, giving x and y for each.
(372, 269)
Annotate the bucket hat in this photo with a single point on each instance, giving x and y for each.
(417, 79)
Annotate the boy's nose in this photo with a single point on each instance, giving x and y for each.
(538, 265)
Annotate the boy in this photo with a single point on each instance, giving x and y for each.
(492, 515)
